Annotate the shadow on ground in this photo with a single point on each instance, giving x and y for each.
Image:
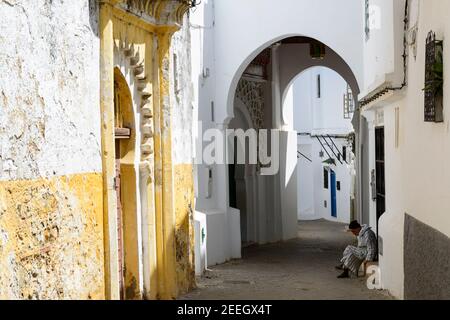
(294, 270)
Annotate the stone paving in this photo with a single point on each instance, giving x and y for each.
(302, 268)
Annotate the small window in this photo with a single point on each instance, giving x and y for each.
(434, 88)
(344, 153)
(319, 89)
(325, 178)
(349, 103)
(338, 186)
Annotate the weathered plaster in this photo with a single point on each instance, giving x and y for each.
(164, 183)
(57, 121)
(50, 186)
(182, 117)
(49, 89)
(51, 244)
(141, 50)
(182, 96)
(184, 230)
(110, 224)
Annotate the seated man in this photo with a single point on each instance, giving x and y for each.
(355, 256)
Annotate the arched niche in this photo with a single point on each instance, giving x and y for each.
(126, 187)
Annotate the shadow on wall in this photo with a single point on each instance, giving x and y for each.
(425, 280)
(94, 16)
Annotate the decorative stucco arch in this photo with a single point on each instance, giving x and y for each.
(243, 114)
(127, 180)
(136, 36)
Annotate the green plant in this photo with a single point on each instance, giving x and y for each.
(330, 161)
(437, 84)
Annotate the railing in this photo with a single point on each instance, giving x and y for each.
(329, 146)
(301, 154)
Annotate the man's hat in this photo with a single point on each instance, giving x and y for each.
(354, 225)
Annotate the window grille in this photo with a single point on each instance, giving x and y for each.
(433, 79)
(349, 104)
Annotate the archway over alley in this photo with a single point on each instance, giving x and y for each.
(268, 204)
(243, 82)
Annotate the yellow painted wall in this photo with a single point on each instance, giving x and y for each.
(51, 238)
(184, 230)
(169, 206)
(130, 232)
(58, 235)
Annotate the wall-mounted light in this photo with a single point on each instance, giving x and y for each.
(317, 50)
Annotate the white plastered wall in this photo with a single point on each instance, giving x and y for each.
(321, 116)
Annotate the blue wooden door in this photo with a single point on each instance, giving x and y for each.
(333, 194)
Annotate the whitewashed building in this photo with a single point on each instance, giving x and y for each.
(323, 108)
(405, 144)
(241, 76)
(241, 81)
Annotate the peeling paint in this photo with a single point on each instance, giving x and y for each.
(184, 230)
(58, 210)
(51, 239)
(182, 95)
(182, 117)
(49, 88)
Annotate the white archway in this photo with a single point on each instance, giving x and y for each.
(294, 58)
(274, 22)
(223, 65)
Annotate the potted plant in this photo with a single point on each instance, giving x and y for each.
(434, 80)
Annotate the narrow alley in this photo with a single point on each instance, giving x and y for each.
(167, 149)
(302, 268)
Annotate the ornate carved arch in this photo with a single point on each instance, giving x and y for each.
(251, 93)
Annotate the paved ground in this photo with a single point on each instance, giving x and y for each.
(299, 269)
